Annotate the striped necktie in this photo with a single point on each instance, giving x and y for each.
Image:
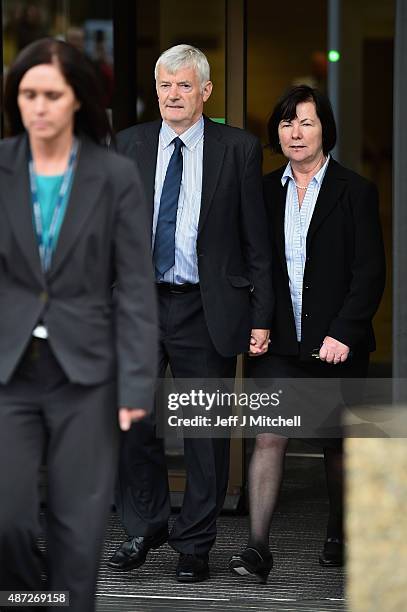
(164, 244)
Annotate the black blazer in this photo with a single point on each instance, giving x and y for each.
(344, 271)
(233, 244)
(103, 239)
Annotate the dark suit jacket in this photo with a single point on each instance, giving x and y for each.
(233, 245)
(103, 238)
(344, 271)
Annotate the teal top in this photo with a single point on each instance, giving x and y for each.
(48, 189)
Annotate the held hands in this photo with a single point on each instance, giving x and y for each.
(129, 415)
(333, 351)
(259, 342)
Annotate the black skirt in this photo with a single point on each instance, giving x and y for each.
(348, 377)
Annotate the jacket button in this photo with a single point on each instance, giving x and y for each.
(306, 287)
(306, 315)
(44, 296)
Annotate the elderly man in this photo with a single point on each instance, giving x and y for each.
(212, 264)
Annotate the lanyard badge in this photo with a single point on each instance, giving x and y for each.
(46, 247)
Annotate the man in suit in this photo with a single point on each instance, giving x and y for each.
(213, 273)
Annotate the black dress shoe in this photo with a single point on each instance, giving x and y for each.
(251, 563)
(133, 552)
(192, 568)
(332, 553)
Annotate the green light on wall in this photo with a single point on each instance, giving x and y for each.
(334, 56)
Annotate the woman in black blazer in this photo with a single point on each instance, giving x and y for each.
(328, 278)
(74, 361)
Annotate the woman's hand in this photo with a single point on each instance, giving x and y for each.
(129, 415)
(333, 351)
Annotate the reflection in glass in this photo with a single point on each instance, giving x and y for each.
(85, 24)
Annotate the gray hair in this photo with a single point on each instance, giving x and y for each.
(182, 56)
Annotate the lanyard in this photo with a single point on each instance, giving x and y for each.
(46, 247)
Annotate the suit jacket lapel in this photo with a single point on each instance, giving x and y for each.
(15, 193)
(146, 156)
(213, 154)
(86, 187)
(329, 194)
(278, 216)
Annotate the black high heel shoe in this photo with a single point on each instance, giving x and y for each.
(332, 553)
(251, 563)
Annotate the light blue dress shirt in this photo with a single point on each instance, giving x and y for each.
(296, 224)
(185, 269)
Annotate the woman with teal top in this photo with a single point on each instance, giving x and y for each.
(75, 364)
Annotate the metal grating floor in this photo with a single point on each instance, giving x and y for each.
(297, 582)
(234, 605)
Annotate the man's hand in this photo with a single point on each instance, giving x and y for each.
(333, 351)
(259, 342)
(129, 415)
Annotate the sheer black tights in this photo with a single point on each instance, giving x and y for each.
(265, 476)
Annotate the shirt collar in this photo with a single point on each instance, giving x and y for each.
(190, 137)
(318, 178)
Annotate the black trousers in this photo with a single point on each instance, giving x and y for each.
(76, 426)
(142, 494)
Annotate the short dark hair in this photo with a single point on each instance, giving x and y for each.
(286, 109)
(79, 73)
